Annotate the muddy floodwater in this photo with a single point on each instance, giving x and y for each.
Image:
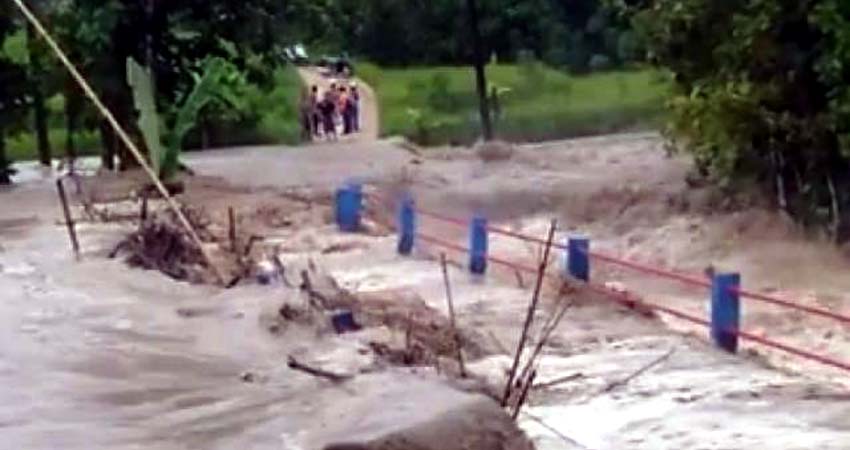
(94, 355)
(97, 355)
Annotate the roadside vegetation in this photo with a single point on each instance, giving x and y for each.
(762, 95)
(438, 105)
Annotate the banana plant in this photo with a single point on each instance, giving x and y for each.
(219, 82)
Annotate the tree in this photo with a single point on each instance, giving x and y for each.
(38, 74)
(173, 38)
(12, 92)
(478, 62)
(761, 93)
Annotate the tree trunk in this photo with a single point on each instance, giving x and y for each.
(107, 139)
(37, 92)
(113, 147)
(835, 210)
(480, 70)
(4, 162)
(778, 171)
(72, 116)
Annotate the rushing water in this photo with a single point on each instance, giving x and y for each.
(94, 355)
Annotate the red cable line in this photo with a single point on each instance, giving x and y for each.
(443, 218)
(687, 279)
(794, 351)
(463, 249)
(780, 302)
(626, 299)
(645, 268)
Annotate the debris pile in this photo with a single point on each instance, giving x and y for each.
(161, 243)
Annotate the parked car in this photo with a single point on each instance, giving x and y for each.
(296, 54)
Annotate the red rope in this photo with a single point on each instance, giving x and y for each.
(687, 279)
(460, 248)
(640, 267)
(826, 360)
(442, 243)
(788, 304)
(625, 298)
(442, 218)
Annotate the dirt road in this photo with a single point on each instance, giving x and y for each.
(370, 120)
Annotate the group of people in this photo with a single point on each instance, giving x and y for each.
(329, 114)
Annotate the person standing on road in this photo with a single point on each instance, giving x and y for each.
(344, 110)
(327, 109)
(355, 108)
(305, 112)
(316, 118)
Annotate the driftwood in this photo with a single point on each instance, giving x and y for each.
(557, 381)
(568, 440)
(615, 384)
(294, 364)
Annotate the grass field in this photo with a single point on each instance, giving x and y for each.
(437, 105)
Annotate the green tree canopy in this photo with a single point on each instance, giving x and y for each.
(761, 93)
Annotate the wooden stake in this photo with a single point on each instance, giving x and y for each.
(231, 229)
(450, 301)
(529, 318)
(69, 221)
(143, 213)
(524, 395)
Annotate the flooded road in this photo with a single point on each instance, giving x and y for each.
(94, 355)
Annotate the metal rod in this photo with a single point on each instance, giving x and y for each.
(231, 228)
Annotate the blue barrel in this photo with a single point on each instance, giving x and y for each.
(349, 203)
(343, 322)
(578, 260)
(406, 226)
(725, 310)
(478, 245)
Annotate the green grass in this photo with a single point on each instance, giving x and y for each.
(22, 147)
(437, 105)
